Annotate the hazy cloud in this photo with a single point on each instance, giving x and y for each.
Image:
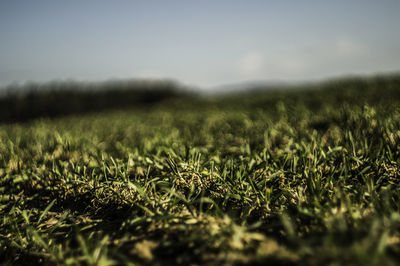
(349, 48)
(251, 64)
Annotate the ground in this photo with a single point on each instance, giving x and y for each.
(293, 177)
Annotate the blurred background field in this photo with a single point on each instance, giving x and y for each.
(23, 102)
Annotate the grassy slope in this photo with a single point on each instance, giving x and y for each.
(280, 177)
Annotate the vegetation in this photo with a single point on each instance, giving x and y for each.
(59, 98)
(303, 176)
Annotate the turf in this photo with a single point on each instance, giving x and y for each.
(287, 177)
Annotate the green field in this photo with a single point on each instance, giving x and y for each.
(304, 176)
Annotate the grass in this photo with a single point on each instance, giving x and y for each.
(281, 177)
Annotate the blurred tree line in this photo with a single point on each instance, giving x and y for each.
(57, 98)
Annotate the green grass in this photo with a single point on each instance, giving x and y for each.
(294, 177)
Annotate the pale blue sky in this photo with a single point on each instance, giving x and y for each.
(202, 43)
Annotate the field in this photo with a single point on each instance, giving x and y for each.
(303, 176)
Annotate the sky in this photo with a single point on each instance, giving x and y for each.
(200, 43)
